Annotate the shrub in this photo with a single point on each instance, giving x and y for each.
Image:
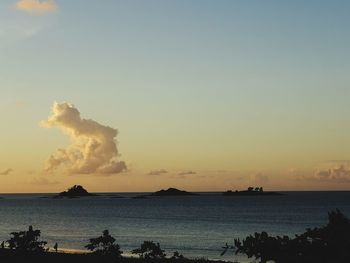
(104, 245)
(326, 244)
(149, 250)
(27, 241)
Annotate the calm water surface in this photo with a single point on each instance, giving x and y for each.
(194, 225)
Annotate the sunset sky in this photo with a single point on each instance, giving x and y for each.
(199, 95)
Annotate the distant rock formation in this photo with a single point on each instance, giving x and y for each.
(251, 191)
(168, 192)
(171, 192)
(74, 192)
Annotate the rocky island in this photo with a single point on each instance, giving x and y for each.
(74, 192)
(168, 192)
(171, 192)
(251, 191)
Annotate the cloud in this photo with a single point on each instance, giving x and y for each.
(337, 173)
(297, 174)
(6, 172)
(21, 104)
(259, 179)
(158, 172)
(187, 172)
(93, 148)
(12, 33)
(37, 6)
(43, 181)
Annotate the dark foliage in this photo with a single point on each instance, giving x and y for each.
(104, 245)
(327, 244)
(150, 250)
(12, 256)
(177, 256)
(27, 241)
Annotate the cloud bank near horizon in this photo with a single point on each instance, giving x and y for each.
(158, 172)
(259, 179)
(37, 6)
(338, 172)
(93, 148)
(187, 172)
(7, 171)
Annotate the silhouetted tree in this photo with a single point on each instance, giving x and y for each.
(27, 241)
(104, 245)
(261, 246)
(149, 250)
(327, 244)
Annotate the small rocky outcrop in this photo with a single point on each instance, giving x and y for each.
(251, 191)
(163, 193)
(74, 192)
(171, 192)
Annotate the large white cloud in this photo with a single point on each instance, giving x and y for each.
(93, 148)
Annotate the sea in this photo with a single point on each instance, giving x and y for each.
(196, 226)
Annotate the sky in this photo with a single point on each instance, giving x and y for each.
(201, 95)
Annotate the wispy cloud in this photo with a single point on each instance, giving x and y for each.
(187, 172)
(158, 172)
(12, 33)
(338, 171)
(21, 104)
(93, 148)
(42, 181)
(6, 172)
(333, 171)
(259, 179)
(37, 6)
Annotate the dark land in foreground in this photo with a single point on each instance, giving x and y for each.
(10, 256)
(325, 244)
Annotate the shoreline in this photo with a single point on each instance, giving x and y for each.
(74, 251)
(13, 256)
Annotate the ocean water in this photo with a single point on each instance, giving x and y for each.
(196, 226)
